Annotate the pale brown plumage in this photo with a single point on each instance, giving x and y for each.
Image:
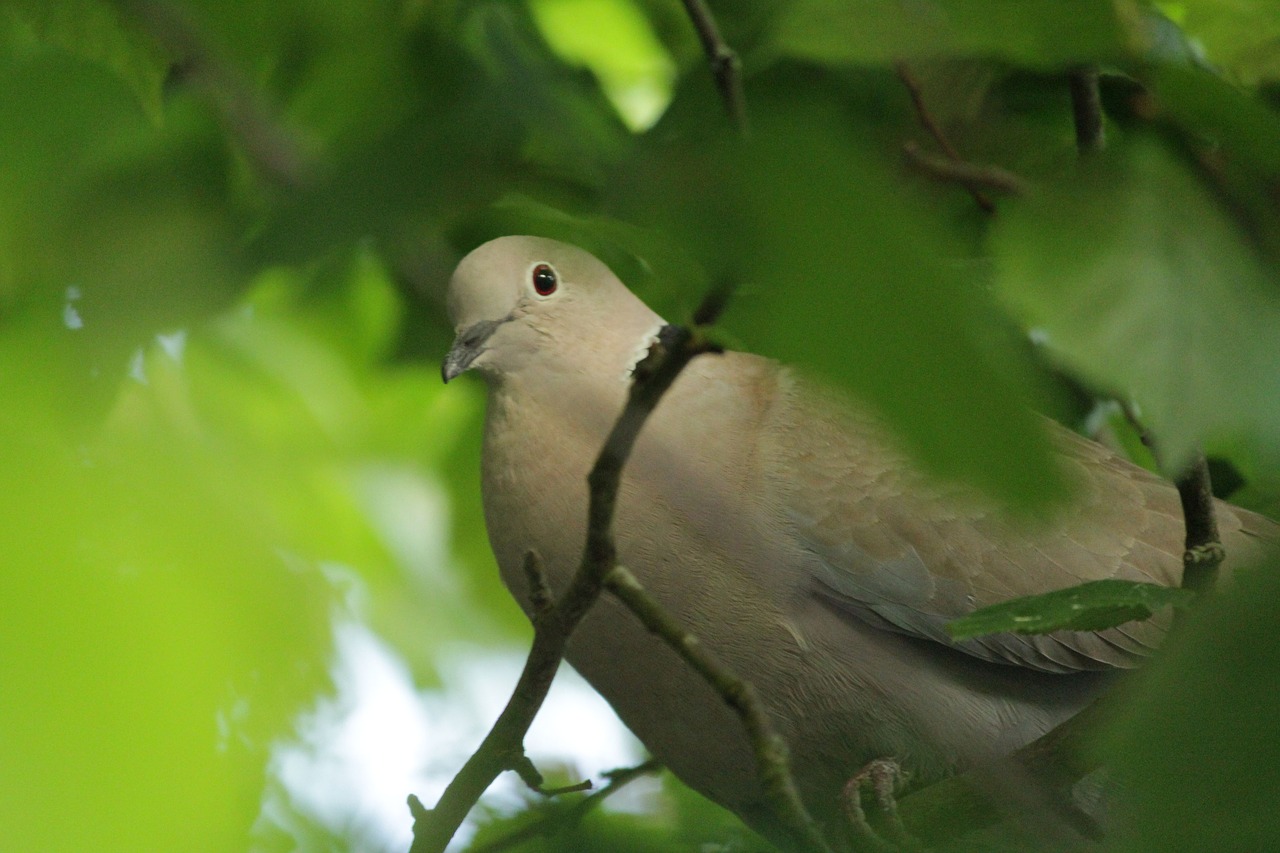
(791, 537)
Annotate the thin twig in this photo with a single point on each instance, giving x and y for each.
(971, 175)
(503, 745)
(571, 815)
(908, 78)
(1144, 434)
(533, 780)
(1086, 109)
(771, 753)
(725, 65)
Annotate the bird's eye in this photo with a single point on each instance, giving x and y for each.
(545, 280)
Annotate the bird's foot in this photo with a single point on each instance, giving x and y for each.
(880, 779)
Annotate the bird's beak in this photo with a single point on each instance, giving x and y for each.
(466, 348)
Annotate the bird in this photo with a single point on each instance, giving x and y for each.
(789, 531)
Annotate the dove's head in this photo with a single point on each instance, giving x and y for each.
(517, 302)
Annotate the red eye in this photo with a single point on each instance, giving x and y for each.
(544, 280)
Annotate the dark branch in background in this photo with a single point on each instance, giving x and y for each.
(275, 152)
(1204, 552)
(972, 175)
(1086, 109)
(908, 78)
(725, 65)
(571, 815)
(554, 620)
(958, 167)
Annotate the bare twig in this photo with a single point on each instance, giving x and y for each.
(532, 779)
(725, 65)
(573, 814)
(971, 175)
(1086, 108)
(1144, 435)
(771, 753)
(908, 78)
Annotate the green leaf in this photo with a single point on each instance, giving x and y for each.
(844, 271)
(1239, 36)
(153, 632)
(1034, 32)
(96, 30)
(1195, 752)
(1235, 135)
(1143, 284)
(1093, 606)
(614, 39)
(59, 115)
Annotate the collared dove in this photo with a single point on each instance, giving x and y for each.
(792, 537)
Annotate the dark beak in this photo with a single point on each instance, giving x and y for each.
(466, 348)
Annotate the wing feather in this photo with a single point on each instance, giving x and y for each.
(892, 547)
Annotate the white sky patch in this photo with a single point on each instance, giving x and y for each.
(138, 366)
(1100, 415)
(173, 344)
(411, 513)
(70, 315)
(362, 752)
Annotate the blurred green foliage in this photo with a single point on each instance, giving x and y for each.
(1196, 749)
(225, 228)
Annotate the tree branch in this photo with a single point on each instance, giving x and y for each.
(771, 753)
(972, 176)
(1204, 551)
(572, 815)
(1086, 109)
(725, 65)
(955, 167)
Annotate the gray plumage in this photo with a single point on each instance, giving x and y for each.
(791, 536)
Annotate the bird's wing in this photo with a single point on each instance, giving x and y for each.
(902, 551)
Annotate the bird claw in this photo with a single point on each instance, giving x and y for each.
(880, 778)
